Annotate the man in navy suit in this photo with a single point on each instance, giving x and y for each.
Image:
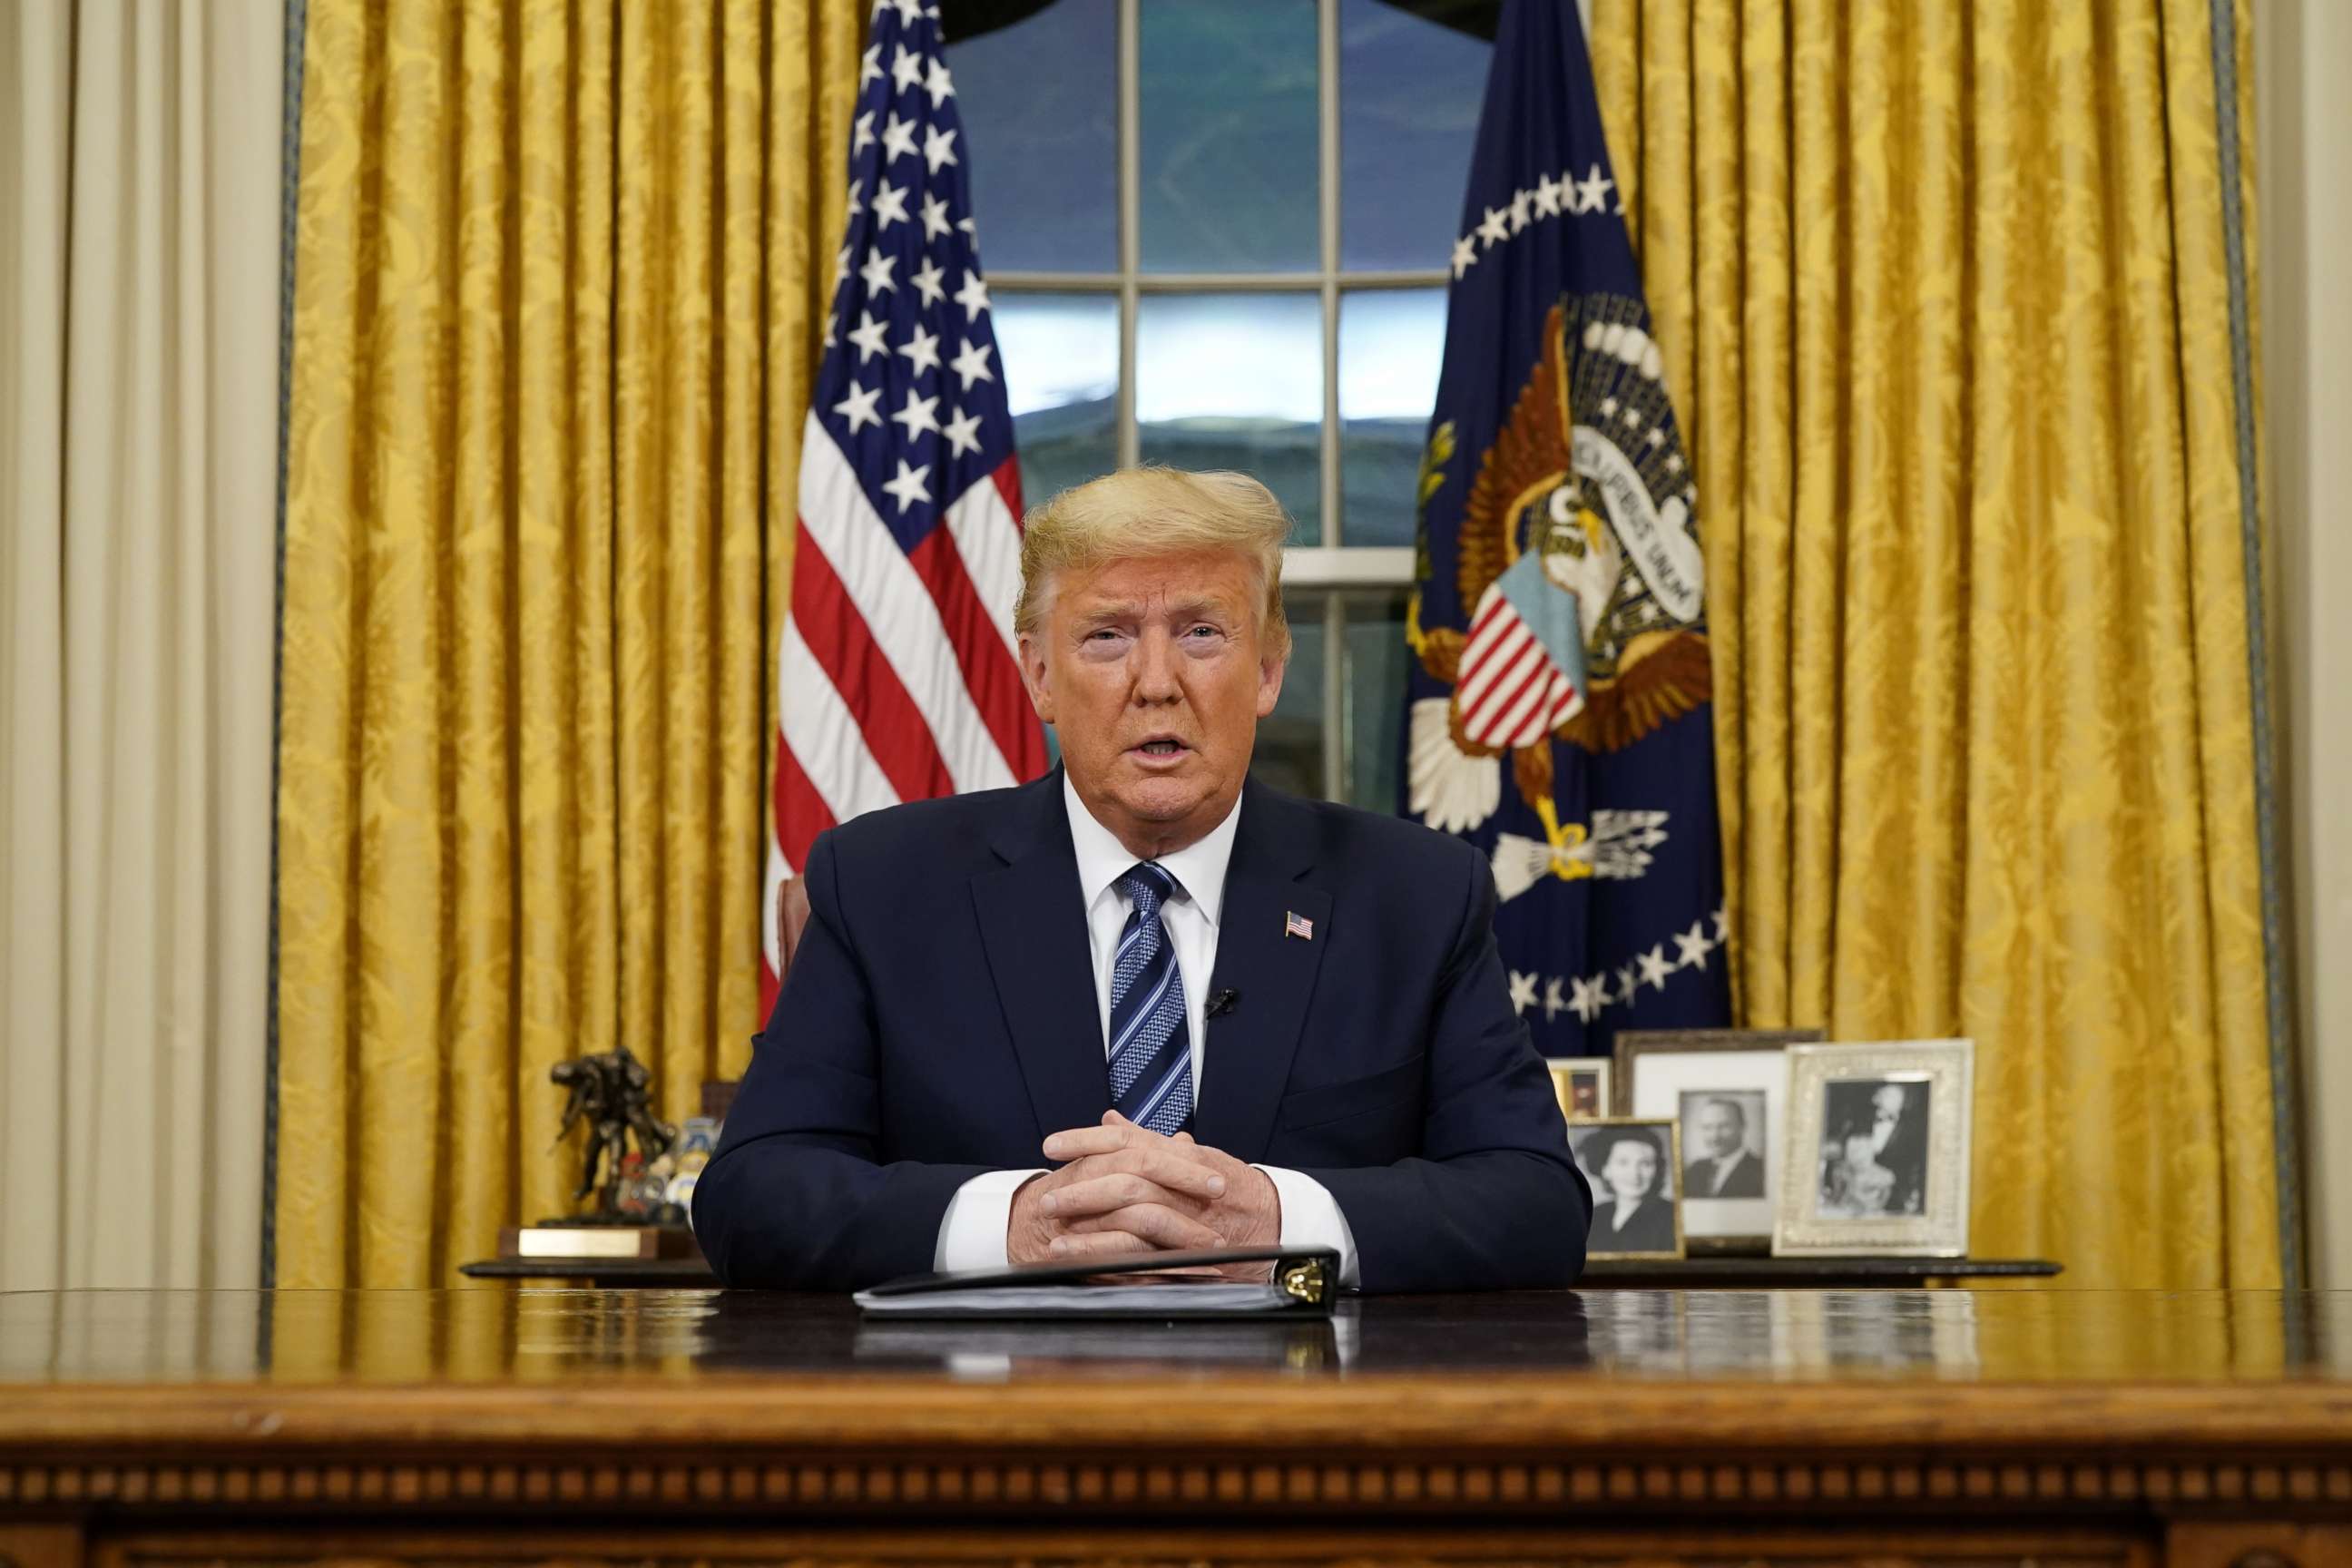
(1145, 1003)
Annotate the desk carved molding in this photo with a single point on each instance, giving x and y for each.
(1240, 1448)
(959, 1489)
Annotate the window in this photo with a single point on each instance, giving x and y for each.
(1216, 234)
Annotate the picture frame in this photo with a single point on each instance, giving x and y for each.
(1877, 1149)
(1716, 1083)
(1632, 1045)
(1581, 1085)
(1652, 1235)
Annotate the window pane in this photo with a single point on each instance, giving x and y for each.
(1390, 343)
(1228, 149)
(1236, 381)
(1378, 657)
(1061, 376)
(1408, 96)
(1289, 755)
(1039, 102)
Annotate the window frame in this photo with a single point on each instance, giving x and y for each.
(1328, 573)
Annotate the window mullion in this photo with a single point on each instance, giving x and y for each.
(1326, 184)
(1130, 209)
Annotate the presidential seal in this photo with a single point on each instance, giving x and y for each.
(1580, 561)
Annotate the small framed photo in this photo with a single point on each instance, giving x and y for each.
(1726, 1090)
(1631, 1163)
(1582, 1085)
(1877, 1150)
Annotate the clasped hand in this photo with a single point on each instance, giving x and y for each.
(1127, 1189)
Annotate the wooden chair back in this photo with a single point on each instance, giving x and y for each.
(792, 923)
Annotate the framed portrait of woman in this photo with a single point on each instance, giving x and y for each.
(1877, 1150)
(1631, 1163)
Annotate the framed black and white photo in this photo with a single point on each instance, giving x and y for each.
(1582, 1085)
(1723, 1142)
(1725, 1090)
(1877, 1150)
(1631, 1164)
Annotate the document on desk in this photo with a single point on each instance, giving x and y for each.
(1161, 1285)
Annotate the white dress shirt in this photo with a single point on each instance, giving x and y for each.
(972, 1233)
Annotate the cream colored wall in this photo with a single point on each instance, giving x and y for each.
(2303, 60)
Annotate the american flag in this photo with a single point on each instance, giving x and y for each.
(897, 678)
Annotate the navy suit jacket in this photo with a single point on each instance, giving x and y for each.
(940, 1020)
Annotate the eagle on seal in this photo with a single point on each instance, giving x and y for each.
(1580, 559)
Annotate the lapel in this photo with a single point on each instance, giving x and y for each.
(1249, 1049)
(1034, 929)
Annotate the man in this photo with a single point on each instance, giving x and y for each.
(1724, 1169)
(1143, 1002)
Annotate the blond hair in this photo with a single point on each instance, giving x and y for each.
(1155, 512)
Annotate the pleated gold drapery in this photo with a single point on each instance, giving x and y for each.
(560, 276)
(1944, 293)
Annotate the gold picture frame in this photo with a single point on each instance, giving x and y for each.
(1581, 1085)
(1632, 1045)
(1677, 1072)
(1856, 1177)
(1666, 1140)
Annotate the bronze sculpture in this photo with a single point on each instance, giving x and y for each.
(612, 1091)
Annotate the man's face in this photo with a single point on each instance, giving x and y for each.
(1718, 1130)
(1889, 1102)
(1153, 674)
(1631, 1170)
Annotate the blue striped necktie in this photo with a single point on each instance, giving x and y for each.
(1150, 1048)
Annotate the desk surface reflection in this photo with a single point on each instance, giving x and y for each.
(530, 1336)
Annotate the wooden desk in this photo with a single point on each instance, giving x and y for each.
(1675, 1274)
(527, 1428)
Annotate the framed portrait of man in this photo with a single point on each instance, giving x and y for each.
(1582, 1085)
(1725, 1090)
(1877, 1150)
(1631, 1164)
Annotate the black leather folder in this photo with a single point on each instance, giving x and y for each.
(1298, 1281)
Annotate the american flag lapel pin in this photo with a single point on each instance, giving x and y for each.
(1298, 925)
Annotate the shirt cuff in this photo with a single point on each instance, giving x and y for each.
(1310, 1217)
(972, 1233)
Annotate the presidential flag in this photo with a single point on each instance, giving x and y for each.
(896, 678)
(1559, 705)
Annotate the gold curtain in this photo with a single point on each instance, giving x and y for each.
(560, 272)
(1946, 302)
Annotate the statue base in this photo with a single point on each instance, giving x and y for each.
(594, 1236)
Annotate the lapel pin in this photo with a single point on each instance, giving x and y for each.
(1298, 925)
